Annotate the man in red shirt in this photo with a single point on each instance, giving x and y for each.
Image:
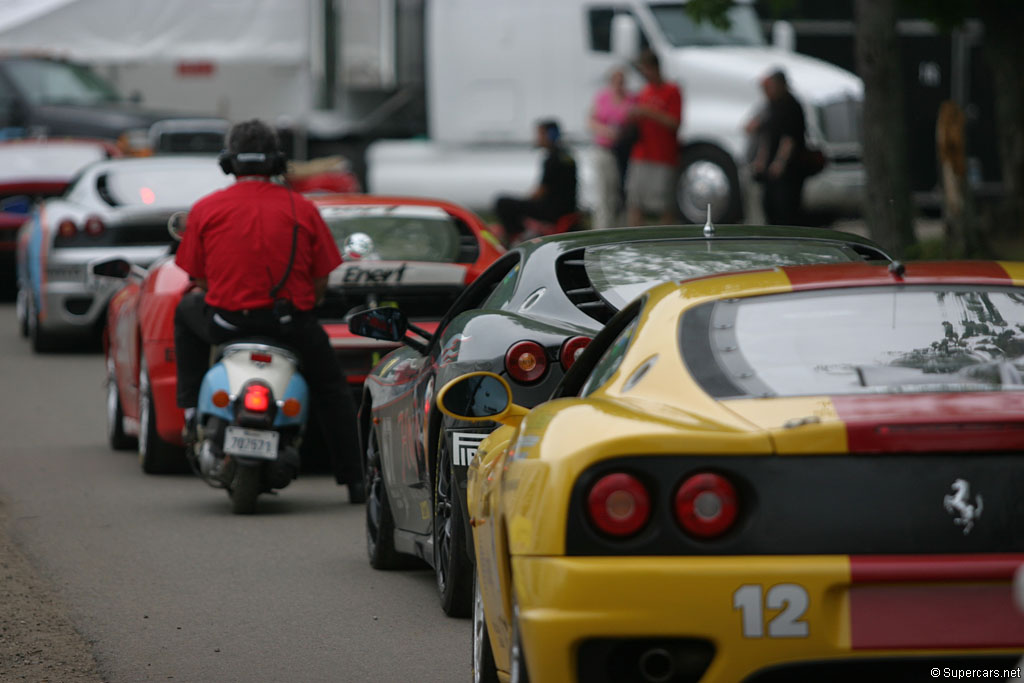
(652, 163)
(252, 248)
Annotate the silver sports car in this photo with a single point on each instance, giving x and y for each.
(115, 208)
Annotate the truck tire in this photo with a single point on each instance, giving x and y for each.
(708, 175)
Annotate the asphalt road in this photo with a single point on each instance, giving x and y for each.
(167, 584)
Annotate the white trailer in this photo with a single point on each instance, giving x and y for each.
(494, 67)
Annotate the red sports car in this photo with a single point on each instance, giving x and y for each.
(417, 253)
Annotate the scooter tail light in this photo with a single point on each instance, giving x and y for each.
(526, 361)
(221, 399)
(257, 357)
(706, 505)
(571, 350)
(257, 398)
(619, 505)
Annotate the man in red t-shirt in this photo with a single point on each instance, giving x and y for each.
(651, 174)
(252, 248)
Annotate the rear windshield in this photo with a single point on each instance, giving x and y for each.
(622, 272)
(394, 233)
(168, 186)
(861, 340)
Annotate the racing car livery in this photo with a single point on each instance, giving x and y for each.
(527, 318)
(794, 474)
(417, 253)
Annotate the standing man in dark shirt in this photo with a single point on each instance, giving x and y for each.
(777, 162)
(554, 197)
(237, 248)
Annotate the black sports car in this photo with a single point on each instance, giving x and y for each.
(527, 318)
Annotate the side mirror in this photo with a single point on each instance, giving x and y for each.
(386, 324)
(784, 36)
(115, 267)
(479, 397)
(625, 37)
(176, 224)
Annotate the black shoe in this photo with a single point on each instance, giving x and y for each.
(189, 433)
(357, 493)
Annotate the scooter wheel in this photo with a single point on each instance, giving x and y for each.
(244, 490)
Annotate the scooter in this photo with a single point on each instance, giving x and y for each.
(252, 412)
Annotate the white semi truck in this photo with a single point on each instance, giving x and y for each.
(494, 67)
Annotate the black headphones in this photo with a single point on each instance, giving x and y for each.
(253, 163)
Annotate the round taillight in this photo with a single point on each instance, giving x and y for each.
(291, 407)
(220, 398)
(67, 229)
(526, 361)
(619, 504)
(257, 398)
(94, 226)
(571, 350)
(706, 505)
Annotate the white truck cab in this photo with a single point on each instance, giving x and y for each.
(495, 67)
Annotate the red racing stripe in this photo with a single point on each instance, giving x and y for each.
(977, 421)
(966, 567)
(864, 275)
(932, 616)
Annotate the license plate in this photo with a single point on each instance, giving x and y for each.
(251, 443)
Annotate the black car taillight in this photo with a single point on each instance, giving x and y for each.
(619, 504)
(571, 350)
(526, 361)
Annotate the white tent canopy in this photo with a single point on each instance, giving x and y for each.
(127, 31)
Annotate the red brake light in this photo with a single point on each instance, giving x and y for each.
(526, 361)
(67, 229)
(619, 504)
(257, 398)
(94, 226)
(260, 357)
(706, 505)
(571, 350)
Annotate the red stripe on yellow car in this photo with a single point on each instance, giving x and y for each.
(894, 423)
(934, 601)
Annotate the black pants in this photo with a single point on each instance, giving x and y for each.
(196, 328)
(782, 199)
(511, 212)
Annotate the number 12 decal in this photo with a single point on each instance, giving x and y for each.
(788, 597)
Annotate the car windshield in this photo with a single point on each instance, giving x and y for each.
(622, 272)
(177, 185)
(860, 340)
(25, 162)
(681, 30)
(48, 82)
(394, 232)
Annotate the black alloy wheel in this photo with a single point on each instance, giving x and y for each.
(452, 567)
(380, 524)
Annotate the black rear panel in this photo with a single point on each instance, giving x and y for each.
(119, 234)
(418, 302)
(843, 504)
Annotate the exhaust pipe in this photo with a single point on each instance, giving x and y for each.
(657, 665)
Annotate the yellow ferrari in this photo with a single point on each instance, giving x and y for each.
(796, 474)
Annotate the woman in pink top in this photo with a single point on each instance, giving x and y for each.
(610, 110)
